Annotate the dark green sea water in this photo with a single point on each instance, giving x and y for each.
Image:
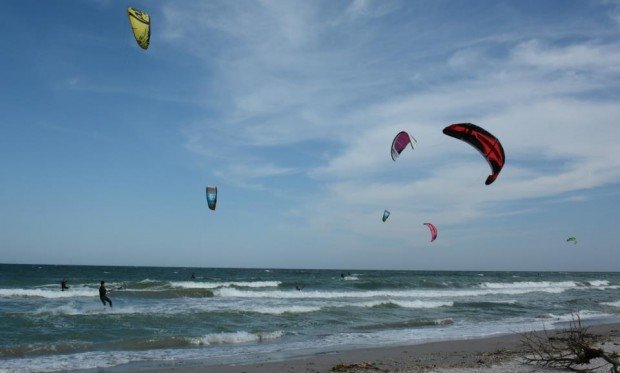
(241, 315)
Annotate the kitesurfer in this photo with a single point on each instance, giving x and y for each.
(193, 276)
(102, 294)
(299, 288)
(63, 285)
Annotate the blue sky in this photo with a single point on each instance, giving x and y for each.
(289, 107)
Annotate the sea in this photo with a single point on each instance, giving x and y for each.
(229, 316)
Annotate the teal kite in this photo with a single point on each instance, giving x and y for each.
(386, 215)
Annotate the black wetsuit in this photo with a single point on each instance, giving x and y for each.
(102, 295)
(63, 285)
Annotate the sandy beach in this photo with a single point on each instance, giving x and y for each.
(494, 354)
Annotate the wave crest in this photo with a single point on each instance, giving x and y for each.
(224, 284)
(236, 337)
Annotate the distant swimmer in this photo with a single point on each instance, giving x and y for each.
(193, 276)
(63, 285)
(103, 294)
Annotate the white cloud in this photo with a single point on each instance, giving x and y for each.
(556, 143)
(246, 175)
(589, 57)
(369, 8)
(291, 74)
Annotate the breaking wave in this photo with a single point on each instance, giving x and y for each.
(236, 337)
(216, 285)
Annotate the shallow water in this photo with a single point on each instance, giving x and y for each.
(235, 315)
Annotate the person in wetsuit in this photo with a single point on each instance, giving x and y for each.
(102, 294)
(63, 285)
(193, 276)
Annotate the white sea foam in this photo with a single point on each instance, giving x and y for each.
(147, 281)
(215, 285)
(278, 310)
(529, 285)
(583, 315)
(76, 310)
(597, 283)
(179, 307)
(236, 337)
(244, 346)
(351, 278)
(405, 304)
(426, 293)
(509, 301)
(613, 304)
(44, 293)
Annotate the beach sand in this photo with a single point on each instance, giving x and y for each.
(494, 354)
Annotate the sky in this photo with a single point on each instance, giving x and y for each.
(290, 108)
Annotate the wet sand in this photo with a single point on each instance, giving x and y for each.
(494, 354)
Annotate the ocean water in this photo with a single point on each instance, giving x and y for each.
(247, 315)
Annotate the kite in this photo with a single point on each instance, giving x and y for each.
(487, 144)
(572, 239)
(400, 143)
(141, 26)
(433, 231)
(212, 196)
(386, 215)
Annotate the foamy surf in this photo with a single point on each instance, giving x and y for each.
(236, 337)
(405, 304)
(232, 315)
(51, 294)
(430, 293)
(216, 285)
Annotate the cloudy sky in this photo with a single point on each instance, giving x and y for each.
(290, 107)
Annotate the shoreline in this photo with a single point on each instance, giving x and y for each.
(488, 354)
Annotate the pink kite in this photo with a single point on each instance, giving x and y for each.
(400, 143)
(433, 231)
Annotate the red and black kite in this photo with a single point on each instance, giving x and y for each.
(487, 144)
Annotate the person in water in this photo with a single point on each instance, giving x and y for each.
(102, 294)
(193, 276)
(63, 285)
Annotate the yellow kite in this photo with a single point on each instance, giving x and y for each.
(141, 25)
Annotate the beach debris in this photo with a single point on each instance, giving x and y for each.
(487, 144)
(386, 215)
(573, 349)
(141, 26)
(353, 367)
(211, 196)
(400, 142)
(433, 230)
